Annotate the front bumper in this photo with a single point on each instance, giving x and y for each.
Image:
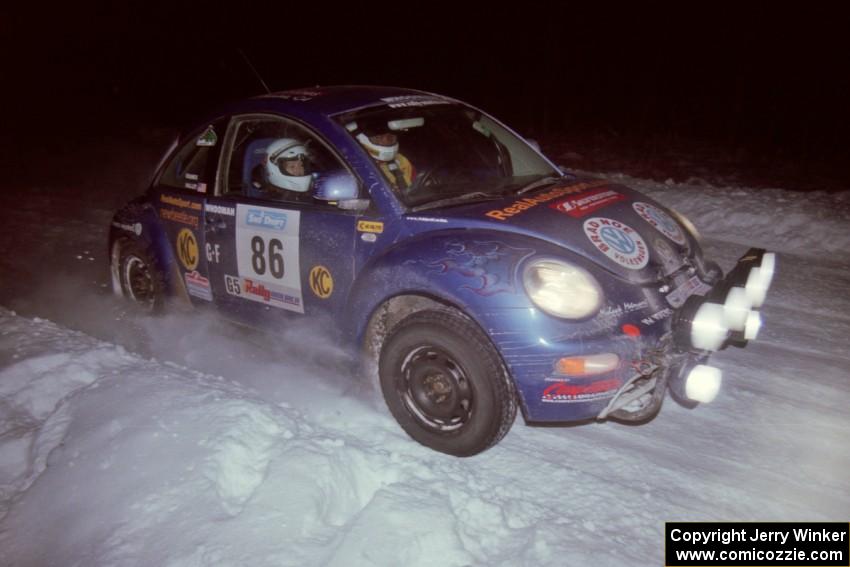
(670, 354)
(727, 315)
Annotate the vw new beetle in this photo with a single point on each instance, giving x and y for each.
(474, 276)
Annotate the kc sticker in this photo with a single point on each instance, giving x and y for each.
(620, 242)
(187, 249)
(663, 222)
(321, 282)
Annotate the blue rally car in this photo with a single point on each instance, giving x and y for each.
(473, 274)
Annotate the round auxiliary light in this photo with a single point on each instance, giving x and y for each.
(708, 329)
(756, 287)
(753, 326)
(736, 308)
(703, 383)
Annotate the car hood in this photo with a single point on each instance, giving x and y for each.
(617, 228)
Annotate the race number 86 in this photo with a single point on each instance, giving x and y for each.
(275, 258)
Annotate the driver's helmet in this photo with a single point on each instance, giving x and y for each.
(377, 138)
(287, 164)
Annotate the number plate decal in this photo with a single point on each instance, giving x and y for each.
(267, 256)
(692, 286)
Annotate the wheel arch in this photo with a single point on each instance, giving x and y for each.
(138, 222)
(388, 313)
(392, 310)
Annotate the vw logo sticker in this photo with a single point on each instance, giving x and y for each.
(620, 242)
(663, 222)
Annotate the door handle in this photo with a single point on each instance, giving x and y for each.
(214, 223)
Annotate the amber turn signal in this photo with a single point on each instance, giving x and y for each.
(587, 365)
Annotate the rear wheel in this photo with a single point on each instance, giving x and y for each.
(445, 383)
(141, 281)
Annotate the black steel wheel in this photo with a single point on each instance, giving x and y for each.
(445, 383)
(141, 281)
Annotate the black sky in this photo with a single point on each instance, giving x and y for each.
(754, 77)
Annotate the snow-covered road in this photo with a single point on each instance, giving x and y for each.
(180, 441)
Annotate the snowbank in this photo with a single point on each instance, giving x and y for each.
(156, 464)
(811, 224)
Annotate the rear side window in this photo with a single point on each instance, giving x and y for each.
(193, 166)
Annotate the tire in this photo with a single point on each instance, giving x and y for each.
(141, 281)
(445, 384)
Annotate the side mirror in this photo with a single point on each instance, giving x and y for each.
(337, 186)
(341, 187)
(534, 144)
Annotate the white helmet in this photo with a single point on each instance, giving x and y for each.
(377, 151)
(280, 152)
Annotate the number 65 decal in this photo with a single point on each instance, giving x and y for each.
(275, 263)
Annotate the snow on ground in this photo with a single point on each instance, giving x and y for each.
(810, 223)
(183, 441)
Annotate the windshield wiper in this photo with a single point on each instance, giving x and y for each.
(456, 200)
(549, 180)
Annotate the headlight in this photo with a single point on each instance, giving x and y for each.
(561, 289)
(686, 222)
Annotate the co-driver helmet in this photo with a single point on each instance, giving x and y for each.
(364, 135)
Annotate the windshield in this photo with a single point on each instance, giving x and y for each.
(445, 153)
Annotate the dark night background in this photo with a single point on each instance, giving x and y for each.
(759, 93)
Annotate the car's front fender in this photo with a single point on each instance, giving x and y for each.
(479, 273)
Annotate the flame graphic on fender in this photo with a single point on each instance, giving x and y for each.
(492, 264)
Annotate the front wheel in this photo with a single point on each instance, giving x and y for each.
(445, 384)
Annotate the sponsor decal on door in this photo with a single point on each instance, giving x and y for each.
(267, 245)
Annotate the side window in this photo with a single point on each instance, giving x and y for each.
(193, 166)
(278, 160)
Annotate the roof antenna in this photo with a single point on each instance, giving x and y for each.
(254, 70)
